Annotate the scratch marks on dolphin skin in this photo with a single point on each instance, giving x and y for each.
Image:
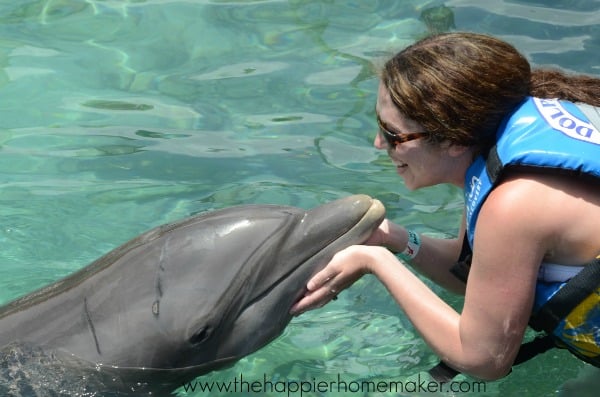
(90, 324)
(158, 286)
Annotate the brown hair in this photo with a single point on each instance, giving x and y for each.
(459, 86)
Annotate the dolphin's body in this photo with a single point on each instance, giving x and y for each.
(176, 302)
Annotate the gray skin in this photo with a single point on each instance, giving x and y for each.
(176, 302)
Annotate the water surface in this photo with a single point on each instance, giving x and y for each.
(117, 116)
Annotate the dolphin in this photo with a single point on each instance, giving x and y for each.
(176, 302)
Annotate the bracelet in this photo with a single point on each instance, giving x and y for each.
(413, 244)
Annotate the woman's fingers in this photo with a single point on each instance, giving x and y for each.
(326, 284)
(313, 300)
(322, 278)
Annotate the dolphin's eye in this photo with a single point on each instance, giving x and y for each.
(202, 335)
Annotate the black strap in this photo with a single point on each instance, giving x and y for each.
(493, 165)
(530, 349)
(444, 373)
(461, 268)
(567, 298)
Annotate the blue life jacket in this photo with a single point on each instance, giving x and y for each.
(542, 134)
(552, 136)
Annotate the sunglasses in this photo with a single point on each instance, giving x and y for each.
(396, 138)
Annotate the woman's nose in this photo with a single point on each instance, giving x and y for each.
(379, 142)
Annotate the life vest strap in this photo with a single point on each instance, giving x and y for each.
(567, 298)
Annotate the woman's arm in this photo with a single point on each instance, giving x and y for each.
(484, 339)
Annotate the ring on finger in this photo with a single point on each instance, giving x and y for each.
(334, 293)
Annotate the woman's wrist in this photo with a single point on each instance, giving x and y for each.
(403, 241)
(396, 238)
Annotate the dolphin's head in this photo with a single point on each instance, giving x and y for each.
(231, 276)
(306, 249)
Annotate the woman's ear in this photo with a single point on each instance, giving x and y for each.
(458, 150)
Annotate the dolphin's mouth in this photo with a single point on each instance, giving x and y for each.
(364, 228)
(374, 216)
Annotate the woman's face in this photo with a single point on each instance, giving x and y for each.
(417, 161)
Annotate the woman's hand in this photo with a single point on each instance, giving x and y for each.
(381, 235)
(343, 270)
(390, 235)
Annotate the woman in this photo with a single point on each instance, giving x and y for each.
(445, 106)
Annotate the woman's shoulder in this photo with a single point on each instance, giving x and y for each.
(542, 190)
(556, 210)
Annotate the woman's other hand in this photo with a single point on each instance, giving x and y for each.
(346, 266)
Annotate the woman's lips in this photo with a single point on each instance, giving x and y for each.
(401, 167)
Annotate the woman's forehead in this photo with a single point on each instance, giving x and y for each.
(390, 114)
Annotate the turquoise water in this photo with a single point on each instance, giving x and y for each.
(117, 116)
